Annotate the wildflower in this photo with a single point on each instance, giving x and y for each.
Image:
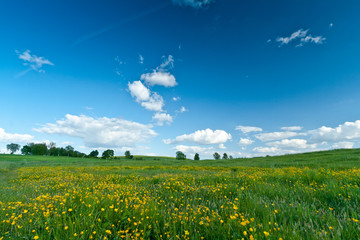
(266, 233)
(36, 237)
(245, 233)
(108, 232)
(186, 232)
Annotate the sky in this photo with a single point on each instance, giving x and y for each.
(249, 78)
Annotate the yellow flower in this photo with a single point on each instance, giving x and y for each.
(75, 234)
(108, 232)
(70, 210)
(36, 237)
(266, 233)
(245, 233)
(66, 227)
(186, 232)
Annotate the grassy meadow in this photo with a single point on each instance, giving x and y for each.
(303, 196)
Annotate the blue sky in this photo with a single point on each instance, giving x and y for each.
(248, 78)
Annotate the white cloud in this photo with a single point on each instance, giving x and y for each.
(292, 128)
(33, 61)
(303, 37)
(206, 136)
(168, 62)
(150, 100)
(266, 149)
(162, 118)
(183, 109)
(245, 141)
(343, 132)
(275, 136)
(141, 59)
(14, 137)
(154, 103)
(100, 132)
(331, 25)
(193, 3)
(176, 99)
(159, 78)
(292, 144)
(343, 145)
(139, 91)
(222, 146)
(248, 129)
(194, 149)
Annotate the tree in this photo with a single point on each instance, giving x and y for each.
(128, 155)
(38, 148)
(231, 157)
(26, 150)
(180, 155)
(196, 157)
(216, 156)
(108, 154)
(13, 147)
(225, 156)
(70, 150)
(94, 153)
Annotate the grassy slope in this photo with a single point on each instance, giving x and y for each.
(342, 158)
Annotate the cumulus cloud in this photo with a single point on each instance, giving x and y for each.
(14, 137)
(266, 149)
(100, 132)
(206, 136)
(265, 137)
(292, 144)
(248, 129)
(292, 128)
(302, 36)
(139, 91)
(33, 61)
(245, 141)
(152, 101)
(159, 78)
(193, 3)
(162, 118)
(343, 132)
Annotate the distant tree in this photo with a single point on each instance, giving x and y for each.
(231, 157)
(38, 148)
(180, 155)
(196, 157)
(128, 155)
(26, 150)
(70, 150)
(94, 153)
(216, 156)
(13, 147)
(225, 156)
(108, 154)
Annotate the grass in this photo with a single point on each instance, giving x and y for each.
(303, 196)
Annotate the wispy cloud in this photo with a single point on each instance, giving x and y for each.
(123, 21)
(141, 59)
(302, 37)
(34, 62)
(162, 118)
(248, 129)
(193, 3)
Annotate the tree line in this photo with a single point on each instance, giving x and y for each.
(41, 149)
(181, 156)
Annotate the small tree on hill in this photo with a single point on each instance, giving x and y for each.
(128, 155)
(225, 156)
(180, 155)
(26, 150)
(216, 156)
(94, 153)
(196, 157)
(231, 157)
(108, 154)
(13, 147)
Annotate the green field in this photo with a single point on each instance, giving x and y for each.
(303, 196)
